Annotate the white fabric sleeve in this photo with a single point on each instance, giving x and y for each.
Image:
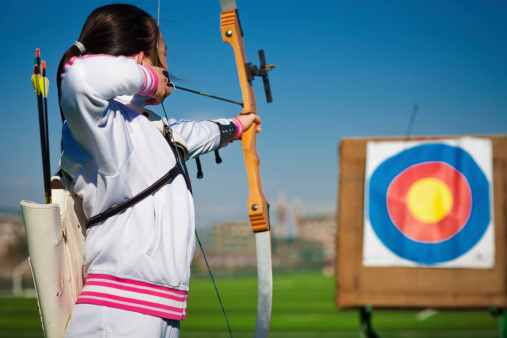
(92, 82)
(89, 85)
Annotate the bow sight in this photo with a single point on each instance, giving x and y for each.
(252, 71)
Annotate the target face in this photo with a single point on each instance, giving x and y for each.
(429, 204)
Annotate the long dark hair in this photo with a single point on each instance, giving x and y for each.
(116, 29)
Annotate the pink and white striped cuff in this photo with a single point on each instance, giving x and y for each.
(130, 295)
(239, 125)
(150, 82)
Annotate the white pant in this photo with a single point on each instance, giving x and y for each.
(103, 322)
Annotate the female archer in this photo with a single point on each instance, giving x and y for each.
(129, 171)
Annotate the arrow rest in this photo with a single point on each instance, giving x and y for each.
(252, 71)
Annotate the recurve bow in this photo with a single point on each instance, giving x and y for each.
(257, 204)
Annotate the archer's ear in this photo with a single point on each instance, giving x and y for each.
(139, 57)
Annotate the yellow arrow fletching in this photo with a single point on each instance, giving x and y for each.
(44, 85)
(36, 83)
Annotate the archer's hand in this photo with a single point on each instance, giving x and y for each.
(248, 119)
(163, 89)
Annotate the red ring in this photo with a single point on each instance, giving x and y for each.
(438, 231)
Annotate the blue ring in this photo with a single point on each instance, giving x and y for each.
(429, 253)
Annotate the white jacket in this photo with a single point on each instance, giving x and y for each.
(138, 260)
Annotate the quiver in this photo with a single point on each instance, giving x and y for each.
(55, 234)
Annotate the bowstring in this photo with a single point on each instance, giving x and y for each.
(196, 235)
(214, 284)
(156, 51)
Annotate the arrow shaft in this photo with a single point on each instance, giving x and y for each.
(41, 91)
(208, 95)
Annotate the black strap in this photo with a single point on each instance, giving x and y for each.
(167, 178)
(178, 154)
(179, 168)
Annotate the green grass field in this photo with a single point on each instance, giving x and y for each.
(303, 306)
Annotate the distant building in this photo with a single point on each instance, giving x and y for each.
(230, 247)
(232, 238)
(322, 230)
(13, 248)
(13, 254)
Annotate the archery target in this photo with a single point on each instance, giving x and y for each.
(429, 204)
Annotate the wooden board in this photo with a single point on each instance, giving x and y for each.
(357, 285)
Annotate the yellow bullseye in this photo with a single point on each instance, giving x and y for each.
(429, 200)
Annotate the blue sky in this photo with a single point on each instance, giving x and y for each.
(346, 69)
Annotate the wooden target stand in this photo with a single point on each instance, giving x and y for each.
(363, 287)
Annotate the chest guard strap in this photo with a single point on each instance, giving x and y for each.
(179, 168)
(167, 178)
